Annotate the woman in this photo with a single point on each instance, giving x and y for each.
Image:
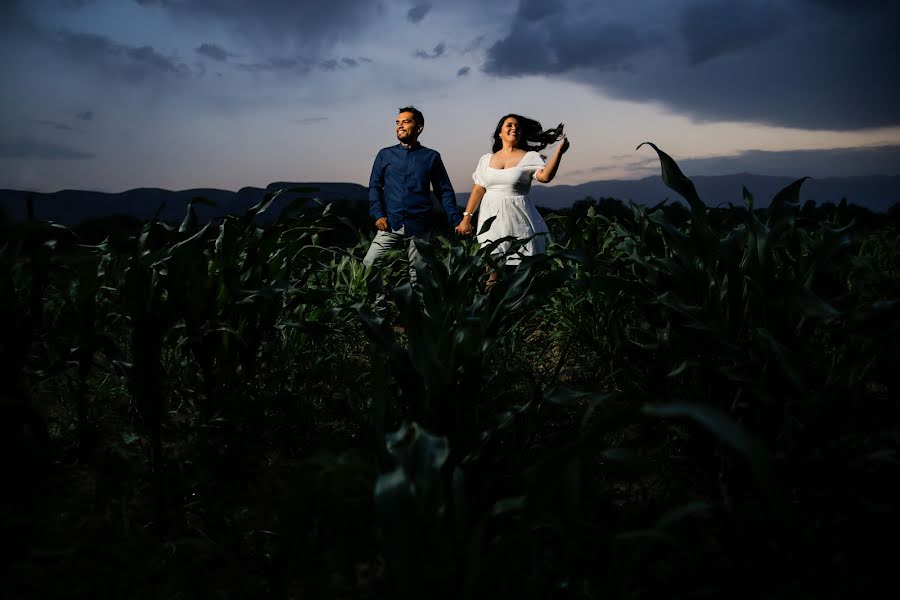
(502, 182)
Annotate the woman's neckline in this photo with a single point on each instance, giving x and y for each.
(505, 168)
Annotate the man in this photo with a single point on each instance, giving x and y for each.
(400, 196)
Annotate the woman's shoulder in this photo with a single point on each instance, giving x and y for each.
(532, 158)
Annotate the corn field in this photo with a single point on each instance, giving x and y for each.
(656, 408)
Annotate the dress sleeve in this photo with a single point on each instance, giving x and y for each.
(478, 175)
(533, 162)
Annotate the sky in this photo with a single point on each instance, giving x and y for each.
(110, 95)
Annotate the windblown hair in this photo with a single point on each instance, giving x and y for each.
(417, 114)
(532, 136)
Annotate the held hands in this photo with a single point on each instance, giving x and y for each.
(464, 227)
(382, 224)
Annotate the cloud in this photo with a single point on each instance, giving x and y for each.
(816, 163)
(56, 125)
(437, 52)
(814, 64)
(534, 10)
(85, 115)
(463, 71)
(132, 63)
(711, 29)
(28, 148)
(474, 45)
(418, 12)
(301, 66)
(13, 17)
(214, 52)
(278, 64)
(309, 26)
(819, 163)
(599, 47)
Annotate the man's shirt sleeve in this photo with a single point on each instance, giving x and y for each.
(377, 207)
(440, 182)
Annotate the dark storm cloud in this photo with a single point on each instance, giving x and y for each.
(132, 63)
(463, 71)
(214, 52)
(418, 12)
(437, 52)
(817, 64)
(13, 17)
(534, 10)
(308, 24)
(85, 115)
(712, 28)
(555, 47)
(28, 148)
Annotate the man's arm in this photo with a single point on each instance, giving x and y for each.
(440, 182)
(377, 208)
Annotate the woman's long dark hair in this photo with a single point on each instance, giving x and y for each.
(532, 137)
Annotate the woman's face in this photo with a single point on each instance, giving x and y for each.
(509, 131)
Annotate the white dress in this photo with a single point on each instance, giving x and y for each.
(506, 198)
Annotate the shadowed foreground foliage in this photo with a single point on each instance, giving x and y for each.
(671, 403)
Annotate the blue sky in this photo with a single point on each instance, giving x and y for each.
(115, 94)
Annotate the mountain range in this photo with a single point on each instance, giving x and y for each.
(70, 207)
(875, 192)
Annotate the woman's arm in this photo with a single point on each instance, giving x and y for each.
(465, 226)
(547, 174)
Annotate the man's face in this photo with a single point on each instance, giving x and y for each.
(407, 129)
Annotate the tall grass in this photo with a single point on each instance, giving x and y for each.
(667, 404)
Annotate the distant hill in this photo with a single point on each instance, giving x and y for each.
(876, 192)
(71, 207)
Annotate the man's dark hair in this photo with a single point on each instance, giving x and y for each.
(417, 114)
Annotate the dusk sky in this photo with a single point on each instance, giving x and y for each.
(110, 95)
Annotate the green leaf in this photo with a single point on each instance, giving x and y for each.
(483, 227)
(675, 179)
(726, 431)
(782, 359)
(684, 366)
(788, 195)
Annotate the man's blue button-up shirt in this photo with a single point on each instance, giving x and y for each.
(400, 188)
